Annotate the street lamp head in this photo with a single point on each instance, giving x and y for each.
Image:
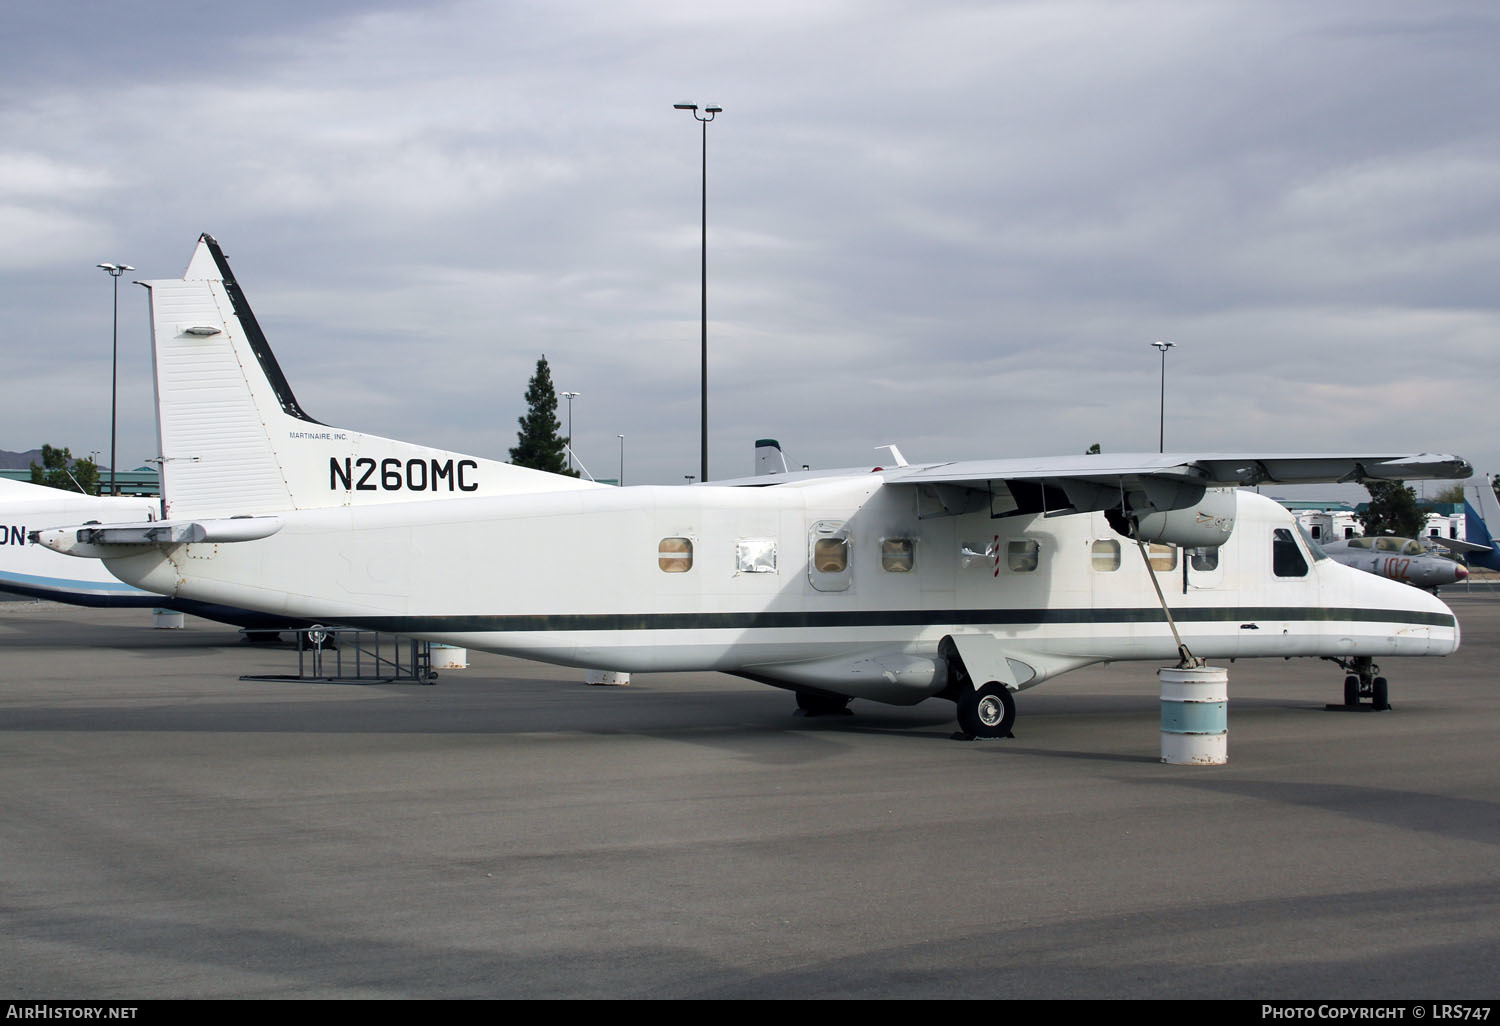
(713, 110)
(1164, 346)
(107, 267)
(684, 106)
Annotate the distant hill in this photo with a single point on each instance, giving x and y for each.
(19, 460)
(23, 460)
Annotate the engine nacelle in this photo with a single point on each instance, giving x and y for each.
(1207, 522)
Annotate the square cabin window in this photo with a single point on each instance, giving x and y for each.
(1022, 556)
(1106, 556)
(755, 555)
(675, 555)
(897, 555)
(1163, 557)
(831, 555)
(1205, 558)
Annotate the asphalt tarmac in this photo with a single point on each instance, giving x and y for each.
(169, 831)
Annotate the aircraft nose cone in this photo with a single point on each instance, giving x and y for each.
(1460, 572)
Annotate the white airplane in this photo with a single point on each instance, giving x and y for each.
(967, 581)
(41, 573)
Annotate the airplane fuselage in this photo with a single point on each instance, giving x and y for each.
(834, 585)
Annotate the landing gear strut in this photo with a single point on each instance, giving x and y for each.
(1362, 682)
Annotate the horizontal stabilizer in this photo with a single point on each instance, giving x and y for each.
(1458, 546)
(104, 540)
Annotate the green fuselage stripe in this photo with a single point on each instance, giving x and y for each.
(772, 620)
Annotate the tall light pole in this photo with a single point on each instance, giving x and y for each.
(114, 271)
(710, 111)
(1161, 416)
(622, 460)
(570, 396)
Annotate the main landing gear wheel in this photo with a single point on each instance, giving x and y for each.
(1351, 690)
(812, 703)
(1380, 694)
(987, 712)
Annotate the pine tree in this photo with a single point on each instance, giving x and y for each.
(538, 444)
(54, 472)
(1393, 510)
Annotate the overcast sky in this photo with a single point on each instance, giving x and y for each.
(956, 226)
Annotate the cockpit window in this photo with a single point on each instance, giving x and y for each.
(1318, 553)
(1361, 543)
(1389, 544)
(1286, 557)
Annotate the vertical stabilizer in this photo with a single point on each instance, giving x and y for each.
(234, 439)
(1477, 523)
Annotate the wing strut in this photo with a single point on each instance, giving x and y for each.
(1188, 660)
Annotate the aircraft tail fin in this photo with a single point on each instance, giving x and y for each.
(235, 441)
(1477, 521)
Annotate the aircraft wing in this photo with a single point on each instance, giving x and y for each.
(1142, 482)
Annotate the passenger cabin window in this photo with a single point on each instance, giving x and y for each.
(1106, 556)
(675, 555)
(1205, 558)
(1286, 557)
(828, 555)
(898, 555)
(831, 555)
(755, 555)
(1022, 556)
(1162, 557)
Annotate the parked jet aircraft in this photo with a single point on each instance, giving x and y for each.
(967, 581)
(1400, 559)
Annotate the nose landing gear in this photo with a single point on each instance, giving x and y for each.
(1363, 683)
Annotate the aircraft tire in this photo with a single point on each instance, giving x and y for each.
(988, 712)
(1380, 694)
(813, 704)
(1351, 690)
